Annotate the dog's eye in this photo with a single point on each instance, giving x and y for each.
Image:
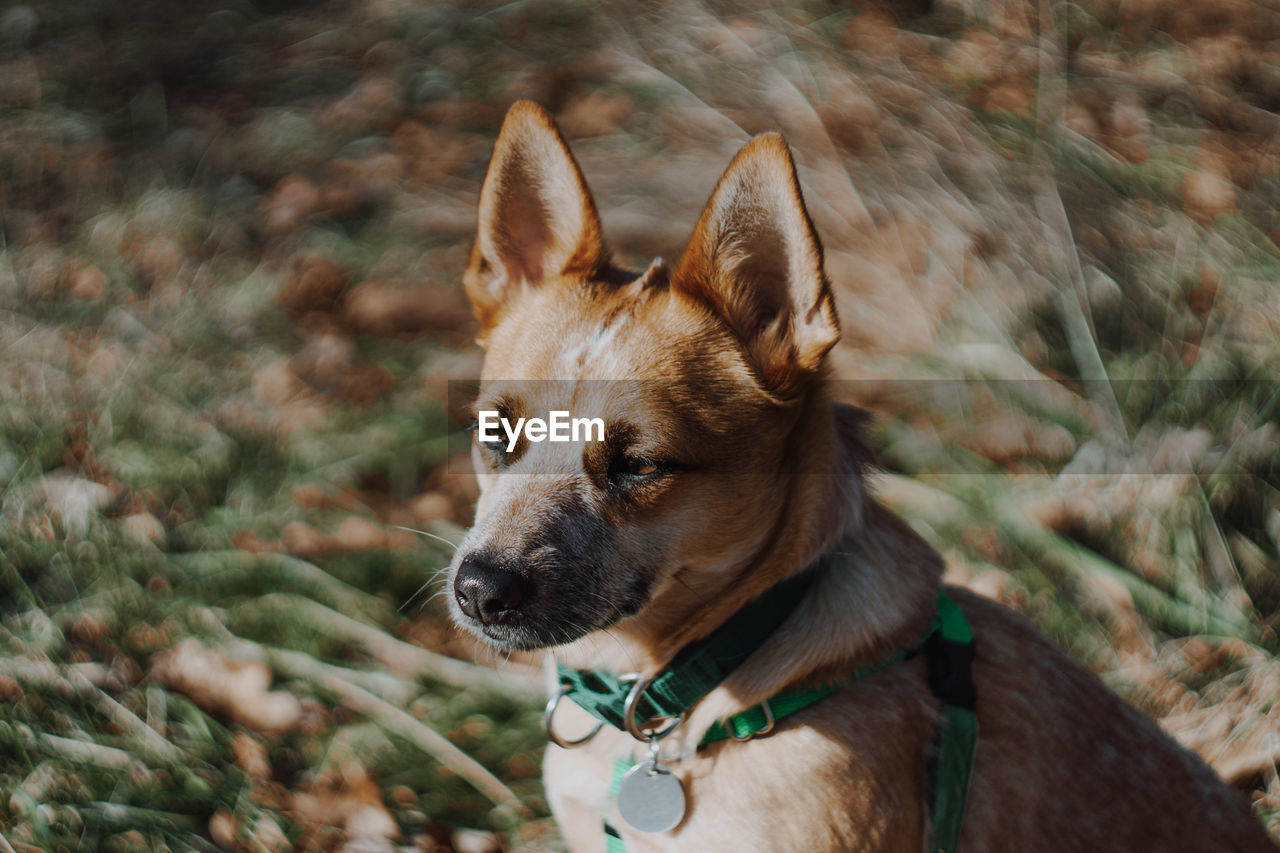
(496, 447)
(641, 467)
(627, 468)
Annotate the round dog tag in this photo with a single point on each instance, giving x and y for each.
(650, 798)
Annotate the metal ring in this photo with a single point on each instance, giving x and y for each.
(768, 725)
(550, 712)
(629, 714)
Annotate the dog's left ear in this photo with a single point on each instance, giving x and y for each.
(756, 262)
(537, 217)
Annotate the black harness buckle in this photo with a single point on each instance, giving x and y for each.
(951, 671)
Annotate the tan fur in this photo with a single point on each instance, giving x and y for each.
(719, 365)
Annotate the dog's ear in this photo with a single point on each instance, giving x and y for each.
(756, 262)
(537, 218)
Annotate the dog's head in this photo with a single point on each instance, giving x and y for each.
(700, 375)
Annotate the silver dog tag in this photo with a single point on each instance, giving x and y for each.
(650, 798)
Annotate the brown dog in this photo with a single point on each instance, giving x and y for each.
(726, 469)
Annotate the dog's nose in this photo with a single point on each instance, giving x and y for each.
(485, 592)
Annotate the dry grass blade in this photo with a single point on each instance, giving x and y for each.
(83, 752)
(136, 816)
(46, 676)
(285, 570)
(1073, 301)
(399, 655)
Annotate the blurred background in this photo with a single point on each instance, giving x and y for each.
(230, 312)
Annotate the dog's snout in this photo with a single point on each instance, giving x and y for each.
(486, 592)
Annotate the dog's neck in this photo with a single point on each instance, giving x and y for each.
(875, 577)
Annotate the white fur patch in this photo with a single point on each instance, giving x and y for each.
(596, 353)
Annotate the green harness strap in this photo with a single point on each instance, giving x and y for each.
(759, 718)
(948, 651)
(612, 840)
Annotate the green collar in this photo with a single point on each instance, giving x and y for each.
(693, 672)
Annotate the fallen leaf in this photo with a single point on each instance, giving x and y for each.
(236, 689)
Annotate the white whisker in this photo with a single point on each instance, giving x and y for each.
(452, 545)
(430, 580)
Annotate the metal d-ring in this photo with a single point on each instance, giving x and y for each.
(629, 715)
(550, 711)
(768, 724)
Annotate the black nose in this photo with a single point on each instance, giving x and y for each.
(486, 592)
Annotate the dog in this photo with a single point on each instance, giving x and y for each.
(725, 471)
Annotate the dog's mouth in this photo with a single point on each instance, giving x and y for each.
(518, 638)
(514, 614)
(521, 636)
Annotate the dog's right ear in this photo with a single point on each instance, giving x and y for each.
(755, 261)
(537, 218)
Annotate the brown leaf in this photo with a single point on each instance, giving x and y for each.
(359, 534)
(248, 541)
(348, 798)
(304, 540)
(289, 206)
(1208, 194)
(431, 507)
(223, 829)
(392, 307)
(235, 689)
(86, 282)
(594, 114)
(312, 282)
(250, 756)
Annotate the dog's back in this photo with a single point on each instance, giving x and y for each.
(1065, 764)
